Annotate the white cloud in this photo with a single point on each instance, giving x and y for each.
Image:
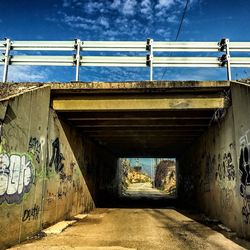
(120, 19)
(128, 7)
(115, 4)
(91, 7)
(73, 19)
(165, 4)
(172, 19)
(104, 22)
(79, 22)
(25, 74)
(146, 7)
(165, 33)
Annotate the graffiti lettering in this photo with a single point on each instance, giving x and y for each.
(228, 166)
(31, 214)
(225, 167)
(15, 177)
(244, 169)
(35, 148)
(246, 212)
(57, 157)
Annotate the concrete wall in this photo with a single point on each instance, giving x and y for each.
(211, 175)
(23, 164)
(241, 108)
(43, 167)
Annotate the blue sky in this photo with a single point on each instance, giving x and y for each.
(206, 20)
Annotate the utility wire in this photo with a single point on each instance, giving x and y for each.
(179, 30)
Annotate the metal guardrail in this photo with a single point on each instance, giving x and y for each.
(149, 60)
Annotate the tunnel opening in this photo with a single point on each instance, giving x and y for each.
(151, 178)
(138, 120)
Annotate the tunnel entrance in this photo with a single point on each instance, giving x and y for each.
(136, 119)
(151, 178)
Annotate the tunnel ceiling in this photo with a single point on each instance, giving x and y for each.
(140, 119)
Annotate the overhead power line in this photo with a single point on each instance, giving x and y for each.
(179, 28)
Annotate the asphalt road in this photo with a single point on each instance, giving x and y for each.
(135, 229)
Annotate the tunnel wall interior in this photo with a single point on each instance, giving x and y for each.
(48, 172)
(214, 174)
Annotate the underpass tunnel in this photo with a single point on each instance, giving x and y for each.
(62, 155)
(153, 122)
(203, 125)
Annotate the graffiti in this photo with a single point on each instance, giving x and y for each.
(221, 171)
(246, 211)
(15, 177)
(228, 166)
(225, 167)
(31, 214)
(244, 169)
(35, 148)
(57, 158)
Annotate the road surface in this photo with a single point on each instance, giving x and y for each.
(145, 190)
(127, 229)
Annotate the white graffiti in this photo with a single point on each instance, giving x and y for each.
(15, 177)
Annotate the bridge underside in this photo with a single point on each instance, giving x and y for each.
(146, 119)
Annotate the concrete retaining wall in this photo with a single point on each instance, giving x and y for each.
(211, 175)
(43, 167)
(23, 151)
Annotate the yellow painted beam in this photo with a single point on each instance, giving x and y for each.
(137, 104)
(109, 104)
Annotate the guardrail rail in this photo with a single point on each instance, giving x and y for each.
(79, 48)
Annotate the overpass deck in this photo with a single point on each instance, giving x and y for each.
(133, 119)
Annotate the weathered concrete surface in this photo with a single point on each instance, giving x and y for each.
(214, 172)
(207, 173)
(137, 86)
(43, 165)
(241, 108)
(56, 164)
(48, 171)
(136, 229)
(65, 190)
(23, 165)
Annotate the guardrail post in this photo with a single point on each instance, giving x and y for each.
(7, 44)
(225, 59)
(77, 57)
(150, 56)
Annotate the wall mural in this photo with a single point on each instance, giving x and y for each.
(16, 177)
